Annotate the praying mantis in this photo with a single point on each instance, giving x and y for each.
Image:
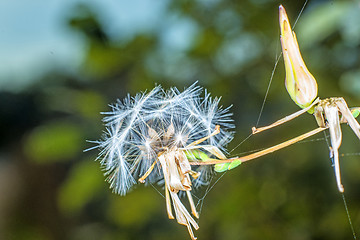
(168, 135)
(302, 87)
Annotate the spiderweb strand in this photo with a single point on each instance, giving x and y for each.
(325, 137)
(300, 142)
(267, 90)
(300, 13)
(348, 216)
(274, 69)
(210, 187)
(349, 154)
(343, 198)
(263, 152)
(241, 142)
(152, 185)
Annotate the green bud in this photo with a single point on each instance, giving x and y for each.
(222, 167)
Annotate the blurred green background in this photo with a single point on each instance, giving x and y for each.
(63, 62)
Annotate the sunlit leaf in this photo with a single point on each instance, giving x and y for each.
(320, 22)
(83, 183)
(136, 208)
(52, 142)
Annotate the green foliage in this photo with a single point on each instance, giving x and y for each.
(83, 183)
(56, 141)
(321, 22)
(123, 212)
(231, 49)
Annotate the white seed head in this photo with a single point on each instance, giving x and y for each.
(140, 127)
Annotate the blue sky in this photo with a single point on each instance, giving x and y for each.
(34, 37)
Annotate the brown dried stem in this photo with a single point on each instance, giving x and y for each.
(265, 151)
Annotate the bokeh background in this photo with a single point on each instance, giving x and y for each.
(63, 62)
